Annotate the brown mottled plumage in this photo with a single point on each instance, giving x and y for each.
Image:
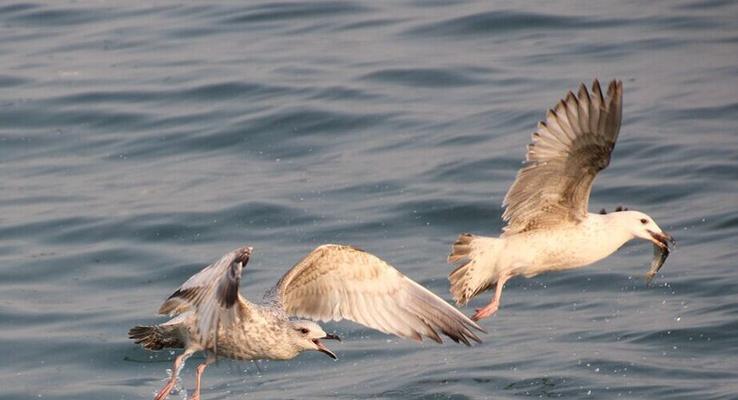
(333, 282)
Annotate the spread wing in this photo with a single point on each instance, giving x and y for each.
(335, 282)
(211, 294)
(566, 153)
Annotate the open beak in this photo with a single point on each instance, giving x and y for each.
(662, 239)
(323, 349)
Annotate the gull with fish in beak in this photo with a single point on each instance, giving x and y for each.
(331, 283)
(549, 227)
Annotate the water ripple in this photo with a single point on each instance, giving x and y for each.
(139, 142)
(505, 21)
(419, 77)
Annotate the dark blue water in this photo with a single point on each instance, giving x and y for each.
(139, 143)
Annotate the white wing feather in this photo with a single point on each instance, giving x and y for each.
(334, 282)
(566, 153)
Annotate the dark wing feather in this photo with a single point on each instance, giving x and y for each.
(211, 294)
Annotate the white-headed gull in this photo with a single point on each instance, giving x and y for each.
(549, 227)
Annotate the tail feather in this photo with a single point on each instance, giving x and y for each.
(461, 248)
(155, 337)
(476, 272)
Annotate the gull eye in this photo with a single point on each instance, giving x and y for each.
(644, 221)
(304, 331)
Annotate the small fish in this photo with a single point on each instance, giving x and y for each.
(660, 253)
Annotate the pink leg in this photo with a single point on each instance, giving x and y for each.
(492, 307)
(198, 375)
(178, 363)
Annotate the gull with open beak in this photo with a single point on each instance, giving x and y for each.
(549, 227)
(331, 283)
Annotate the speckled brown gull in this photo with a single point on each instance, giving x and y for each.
(549, 227)
(332, 283)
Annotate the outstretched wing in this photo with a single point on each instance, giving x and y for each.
(335, 282)
(211, 294)
(566, 153)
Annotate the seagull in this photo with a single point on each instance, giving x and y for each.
(549, 227)
(331, 283)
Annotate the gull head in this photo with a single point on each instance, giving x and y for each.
(308, 335)
(642, 226)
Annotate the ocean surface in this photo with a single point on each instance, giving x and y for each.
(140, 142)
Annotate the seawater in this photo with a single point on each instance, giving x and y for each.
(140, 142)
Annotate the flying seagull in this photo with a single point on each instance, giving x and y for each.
(331, 283)
(549, 227)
